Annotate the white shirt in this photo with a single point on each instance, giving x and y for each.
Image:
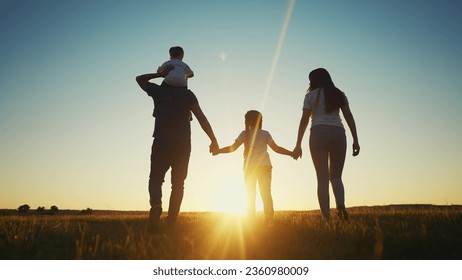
(258, 154)
(177, 77)
(314, 101)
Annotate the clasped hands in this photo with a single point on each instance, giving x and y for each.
(214, 149)
(297, 152)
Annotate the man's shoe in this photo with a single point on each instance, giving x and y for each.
(171, 221)
(342, 214)
(154, 218)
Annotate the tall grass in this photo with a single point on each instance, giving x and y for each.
(371, 233)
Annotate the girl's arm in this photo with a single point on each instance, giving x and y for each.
(229, 149)
(280, 150)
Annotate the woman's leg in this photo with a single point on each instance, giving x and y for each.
(319, 155)
(337, 161)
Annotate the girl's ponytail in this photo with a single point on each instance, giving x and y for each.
(253, 119)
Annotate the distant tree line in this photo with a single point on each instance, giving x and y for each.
(53, 210)
(40, 210)
(87, 211)
(23, 208)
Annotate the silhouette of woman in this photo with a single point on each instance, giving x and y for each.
(257, 164)
(327, 137)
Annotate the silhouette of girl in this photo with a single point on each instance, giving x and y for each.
(257, 164)
(327, 137)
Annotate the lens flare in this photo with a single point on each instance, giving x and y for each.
(279, 45)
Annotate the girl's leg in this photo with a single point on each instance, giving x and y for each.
(251, 188)
(264, 183)
(319, 155)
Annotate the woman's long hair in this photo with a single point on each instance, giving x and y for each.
(334, 97)
(253, 119)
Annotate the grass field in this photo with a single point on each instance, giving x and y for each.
(392, 232)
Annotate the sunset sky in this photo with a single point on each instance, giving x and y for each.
(75, 128)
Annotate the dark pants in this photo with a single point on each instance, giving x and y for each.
(167, 154)
(328, 151)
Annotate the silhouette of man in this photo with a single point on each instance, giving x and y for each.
(171, 146)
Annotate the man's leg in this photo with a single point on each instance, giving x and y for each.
(180, 164)
(159, 166)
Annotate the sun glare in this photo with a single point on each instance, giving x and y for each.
(230, 196)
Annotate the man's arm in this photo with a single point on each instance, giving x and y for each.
(143, 80)
(204, 123)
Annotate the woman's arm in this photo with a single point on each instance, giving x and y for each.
(352, 125)
(297, 152)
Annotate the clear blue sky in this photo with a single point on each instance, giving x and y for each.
(75, 129)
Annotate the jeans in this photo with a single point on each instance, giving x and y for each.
(165, 154)
(263, 176)
(328, 151)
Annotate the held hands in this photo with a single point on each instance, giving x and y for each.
(297, 152)
(214, 149)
